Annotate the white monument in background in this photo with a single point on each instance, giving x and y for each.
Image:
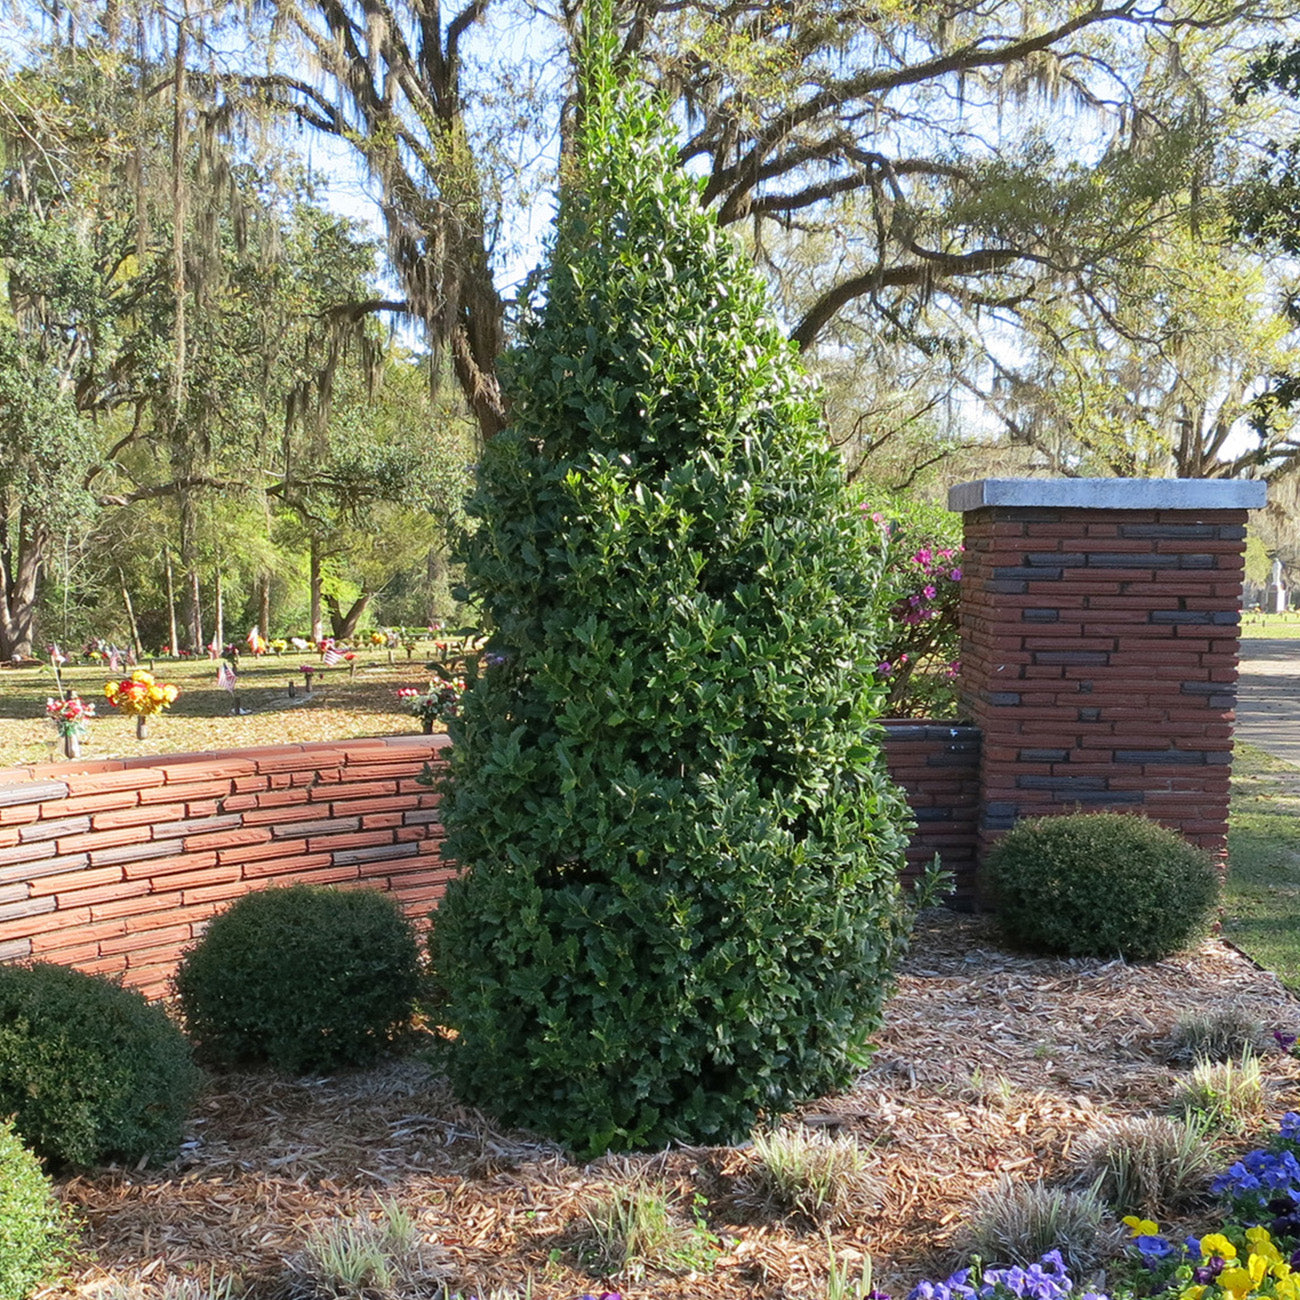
(1276, 592)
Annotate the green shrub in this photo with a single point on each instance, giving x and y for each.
(1100, 885)
(304, 978)
(33, 1233)
(89, 1070)
(680, 849)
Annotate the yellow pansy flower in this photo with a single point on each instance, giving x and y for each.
(1286, 1288)
(1257, 1267)
(1262, 1244)
(1141, 1227)
(1196, 1292)
(1217, 1244)
(1236, 1280)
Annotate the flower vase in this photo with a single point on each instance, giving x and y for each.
(72, 745)
(426, 725)
(141, 726)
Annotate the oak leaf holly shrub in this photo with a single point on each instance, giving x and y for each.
(678, 906)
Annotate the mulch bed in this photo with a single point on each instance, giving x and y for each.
(989, 1064)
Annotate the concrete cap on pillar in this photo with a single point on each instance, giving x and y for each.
(1110, 493)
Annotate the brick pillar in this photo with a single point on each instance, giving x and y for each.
(1100, 626)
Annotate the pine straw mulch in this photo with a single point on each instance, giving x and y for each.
(989, 1064)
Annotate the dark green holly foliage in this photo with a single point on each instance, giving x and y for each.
(34, 1235)
(679, 904)
(1100, 885)
(90, 1071)
(304, 978)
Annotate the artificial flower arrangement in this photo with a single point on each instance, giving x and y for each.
(140, 696)
(70, 716)
(440, 703)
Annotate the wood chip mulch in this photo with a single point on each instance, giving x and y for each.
(989, 1064)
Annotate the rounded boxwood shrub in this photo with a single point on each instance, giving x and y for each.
(1100, 885)
(89, 1070)
(33, 1232)
(678, 906)
(303, 978)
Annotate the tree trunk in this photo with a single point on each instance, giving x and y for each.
(436, 574)
(343, 625)
(130, 617)
(219, 632)
(317, 623)
(171, 600)
(19, 578)
(264, 607)
(190, 564)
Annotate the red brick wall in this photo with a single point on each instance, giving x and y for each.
(1099, 659)
(115, 865)
(938, 767)
(1099, 662)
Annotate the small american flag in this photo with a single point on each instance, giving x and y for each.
(332, 657)
(226, 678)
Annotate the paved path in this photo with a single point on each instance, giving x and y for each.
(1268, 697)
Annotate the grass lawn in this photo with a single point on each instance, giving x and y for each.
(1262, 900)
(1256, 624)
(341, 705)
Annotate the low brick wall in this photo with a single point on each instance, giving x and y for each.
(938, 767)
(115, 865)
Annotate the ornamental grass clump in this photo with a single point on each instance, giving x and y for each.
(1100, 885)
(90, 1071)
(34, 1234)
(1218, 1035)
(1147, 1163)
(828, 1180)
(361, 1257)
(1014, 1222)
(304, 978)
(632, 1230)
(678, 909)
(1223, 1096)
